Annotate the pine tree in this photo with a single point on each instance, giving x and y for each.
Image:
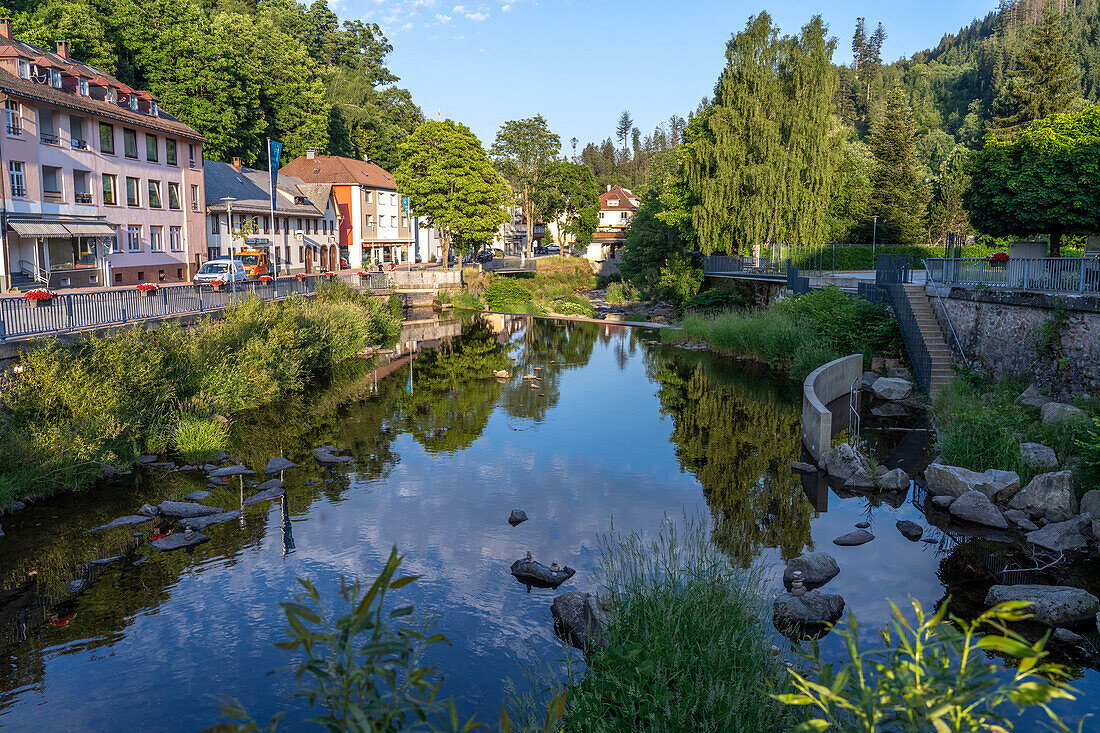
(898, 198)
(1044, 82)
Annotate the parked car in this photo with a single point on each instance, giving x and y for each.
(228, 271)
(552, 249)
(485, 255)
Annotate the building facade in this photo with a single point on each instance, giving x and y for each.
(617, 207)
(303, 235)
(101, 186)
(376, 225)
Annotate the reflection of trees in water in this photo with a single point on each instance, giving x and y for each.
(453, 390)
(556, 347)
(739, 445)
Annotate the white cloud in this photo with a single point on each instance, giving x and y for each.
(477, 17)
(443, 19)
(460, 9)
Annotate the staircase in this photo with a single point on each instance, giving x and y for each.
(939, 354)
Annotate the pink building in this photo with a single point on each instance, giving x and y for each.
(100, 186)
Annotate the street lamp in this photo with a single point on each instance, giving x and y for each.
(874, 233)
(229, 221)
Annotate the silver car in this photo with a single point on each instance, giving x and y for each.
(228, 271)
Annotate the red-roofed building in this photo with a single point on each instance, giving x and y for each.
(617, 207)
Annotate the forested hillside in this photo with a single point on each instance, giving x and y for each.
(239, 71)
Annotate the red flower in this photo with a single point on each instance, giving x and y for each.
(219, 283)
(361, 273)
(38, 294)
(998, 258)
(301, 276)
(265, 278)
(147, 287)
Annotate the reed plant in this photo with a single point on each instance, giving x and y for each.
(198, 440)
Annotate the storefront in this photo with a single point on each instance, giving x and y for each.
(61, 254)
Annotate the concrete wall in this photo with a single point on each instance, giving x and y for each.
(823, 385)
(1002, 332)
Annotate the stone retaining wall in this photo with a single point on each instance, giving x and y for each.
(823, 385)
(1002, 333)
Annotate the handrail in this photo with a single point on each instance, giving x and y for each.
(946, 315)
(1057, 274)
(38, 273)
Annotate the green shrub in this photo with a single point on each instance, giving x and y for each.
(503, 291)
(616, 293)
(710, 302)
(573, 305)
(468, 300)
(197, 440)
(681, 277)
(931, 676)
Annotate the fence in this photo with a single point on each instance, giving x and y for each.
(746, 265)
(1060, 274)
(890, 276)
(21, 317)
(512, 264)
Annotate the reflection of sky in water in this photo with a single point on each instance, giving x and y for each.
(602, 453)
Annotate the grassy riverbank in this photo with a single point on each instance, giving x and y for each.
(553, 288)
(77, 410)
(799, 334)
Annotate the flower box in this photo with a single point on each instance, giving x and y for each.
(147, 289)
(363, 273)
(266, 278)
(998, 259)
(38, 296)
(301, 276)
(217, 284)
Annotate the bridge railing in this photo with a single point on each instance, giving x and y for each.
(743, 264)
(1055, 274)
(512, 263)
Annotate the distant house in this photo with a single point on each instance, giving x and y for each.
(512, 234)
(303, 237)
(617, 207)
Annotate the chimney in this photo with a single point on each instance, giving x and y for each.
(366, 158)
(311, 153)
(237, 164)
(5, 28)
(609, 187)
(63, 49)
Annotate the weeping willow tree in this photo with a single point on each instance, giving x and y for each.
(760, 160)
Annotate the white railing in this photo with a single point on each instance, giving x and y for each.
(1057, 274)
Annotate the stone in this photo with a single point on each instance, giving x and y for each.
(145, 460)
(1066, 636)
(130, 519)
(178, 541)
(893, 480)
(900, 373)
(1021, 520)
(179, 509)
(220, 456)
(538, 575)
(266, 495)
(577, 619)
(325, 456)
(861, 479)
(797, 615)
(501, 374)
(880, 471)
(817, 569)
(844, 461)
(16, 506)
(201, 523)
(518, 516)
(1090, 503)
(1031, 397)
(868, 379)
(277, 464)
(803, 467)
(104, 561)
(890, 409)
(911, 530)
(1060, 412)
(75, 586)
(892, 389)
(1053, 605)
(232, 471)
(941, 480)
(1039, 455)
(858, 537)
(878, 364)
(1000, 486)
(148, 510)
(273, 483)
(942, 502)
(1061, 536)
(1048, 495)
(976, 508)
(862, 525)
(890, 363)
(197, 495)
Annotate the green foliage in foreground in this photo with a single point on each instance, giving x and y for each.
(931, 675)
(197, 440)
(802, 333)
(78, 407)
(688, 650)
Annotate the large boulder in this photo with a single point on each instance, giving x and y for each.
(1090, 504)
(911, 530)
(1049, 496)
(201, 523)
(277, 464)
(532, 573)
(900, 373)
(181, 509)
(941, 480)
(808, 614)
(852, 539)
(1061, 536)
(1053, 605)
(1031, 397)
(1000, 485)
(868, 379)
(577, 619)
(893, 480)
(231, 471)
(817, 569)
(178, 541)
(1039, 455)
(844, 462)
(976, 508)
(1060, 412)
(1021, 520)
(891, 389)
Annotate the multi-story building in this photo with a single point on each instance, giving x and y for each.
(375, 221)
(617, 207)
(100, 185)
(303, 237)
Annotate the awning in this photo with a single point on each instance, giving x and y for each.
(40, 228)
(90, 229)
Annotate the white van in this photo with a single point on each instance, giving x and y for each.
(228, 271)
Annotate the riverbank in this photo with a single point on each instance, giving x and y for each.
(76, 412)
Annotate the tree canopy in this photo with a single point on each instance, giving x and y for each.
(574, 203)
(898, 196)
(525, 153)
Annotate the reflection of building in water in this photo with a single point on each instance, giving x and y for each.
(288, 536)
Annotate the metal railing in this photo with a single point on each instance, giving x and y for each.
(20, 317)
(374, 280)
(890, 277)
(946, 315)
(744, 265)
(1058, 274)
(35, 272)
(512, 263)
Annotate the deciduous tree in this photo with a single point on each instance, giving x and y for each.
(524, 152)
(574, 203)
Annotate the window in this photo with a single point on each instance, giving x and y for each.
(173, 195)
(55, 78)
(393, 199)
(153, 108)
(275, 221)
(191, 155)
(82, 85)
(179, 273)
(154, 194)
(129, 143)
(170, 151)
(366, 197)
(623, 215)
(393, 221)
(81, 193)
(112, 95)
(18, 179)
(367, 221)
(106, 138)
(214, 224)
(175, 239)
(110, 190)
(151, 148)
(156, 239)
(133, 102)
(15, 120)
(51, 184)
(194, 198)
(132, 197)
(76, 133)
(264, 220)
(24, 69)
(47, 129)
(133, 239)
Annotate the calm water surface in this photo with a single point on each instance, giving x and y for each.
(621, 430)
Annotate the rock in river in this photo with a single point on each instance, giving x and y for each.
(538, 575)
(810, 614)
(1048, 495)
(1053, 605)
(893, 480)
(178, 541)
(274, 483)
(266, 495)
(1061, 536)
(887, 388)
(197, 495)
(277, 464)
(912, 531)
(129, 519)
(179, 509)
(817, 569)
(975, 507)
(859, 537)
(326, 457)
(232, 471)
(844, 462)
(945, 480)
(577, 620)
(518, 516)
(1020, 519)
(201, 523)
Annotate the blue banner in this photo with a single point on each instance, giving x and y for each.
(274, 153)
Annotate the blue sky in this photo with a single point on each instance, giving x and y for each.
(580, 63)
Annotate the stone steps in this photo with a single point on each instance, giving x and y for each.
(941, 371)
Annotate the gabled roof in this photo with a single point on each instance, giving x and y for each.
(339, 171)
(250, 191)
(619, 199)
(317, 193)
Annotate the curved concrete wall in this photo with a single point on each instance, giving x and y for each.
(822, 386)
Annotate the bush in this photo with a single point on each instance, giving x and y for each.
(467, 300)
(573, 305)
(710, 302)
(197, 440)
(503, 291)
(616, 293)
(681, 277)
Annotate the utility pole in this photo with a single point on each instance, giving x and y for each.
(874, 234)
(229, 221)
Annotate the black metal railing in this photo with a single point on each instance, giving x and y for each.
(890, 276)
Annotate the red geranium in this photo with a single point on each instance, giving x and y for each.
(38, 294)
(361, 273)
(301, 276)
(998, 258)
(217, 283)
(147, 287)
(265, 278)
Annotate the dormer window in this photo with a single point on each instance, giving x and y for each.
(55, 78)
(82, 84)
(153, 108)
(24, 69)
(112, 95)
(133, 103)
(613, 202)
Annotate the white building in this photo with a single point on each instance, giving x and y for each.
(617, 207)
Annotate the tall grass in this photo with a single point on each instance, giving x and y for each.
(197, 440)
(688, 646)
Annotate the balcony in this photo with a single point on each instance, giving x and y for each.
(49, 138)
(79, 144)
(83, 198)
